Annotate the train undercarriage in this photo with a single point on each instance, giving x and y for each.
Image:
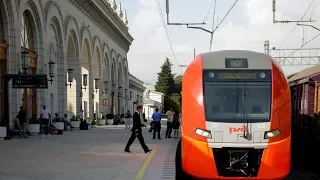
(230, 162)
(237, 162)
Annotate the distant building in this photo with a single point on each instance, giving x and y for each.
(135, 95)
(151, 100)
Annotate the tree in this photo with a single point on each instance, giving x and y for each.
(175, 98)
(178, 84)
(165, 83)
(169, 102)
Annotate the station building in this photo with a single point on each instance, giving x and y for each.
(81, 47)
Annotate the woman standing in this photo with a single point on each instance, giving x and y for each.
(176, 125)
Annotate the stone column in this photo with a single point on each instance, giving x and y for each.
(4, 110)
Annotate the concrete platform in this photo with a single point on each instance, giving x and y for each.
(95, 154)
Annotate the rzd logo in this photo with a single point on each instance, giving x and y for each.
(236, 130)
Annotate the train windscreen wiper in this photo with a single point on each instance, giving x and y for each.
(244, 118)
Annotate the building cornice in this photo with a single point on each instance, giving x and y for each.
(100, 13)
(156, 92)
(138, 87)
(133, 78)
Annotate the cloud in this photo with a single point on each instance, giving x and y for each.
(247, 27)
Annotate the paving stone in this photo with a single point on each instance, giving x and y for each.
(96, 154)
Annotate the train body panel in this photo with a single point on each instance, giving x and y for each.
(236, 117)
(199, 160)
(216, 60)
(238, 135)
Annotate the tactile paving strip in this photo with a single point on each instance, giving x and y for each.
(169, 171)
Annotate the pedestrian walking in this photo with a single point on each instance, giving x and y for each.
(45, 121)
(137, 132)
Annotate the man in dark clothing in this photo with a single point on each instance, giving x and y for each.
(22, 116)
(137, 132)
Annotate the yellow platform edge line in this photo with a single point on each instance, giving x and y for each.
(145, 165)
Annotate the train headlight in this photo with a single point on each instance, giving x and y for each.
(262, 75)
(271, 134)
(203, 133)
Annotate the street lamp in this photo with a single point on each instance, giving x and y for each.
(51, 71)
(96, 84)
(113, 88)
(130, 95)
(70, 77)
(119, 93)
(309, 26)
(85, 81)
(106, 87)
(25, 63)
(119, 97)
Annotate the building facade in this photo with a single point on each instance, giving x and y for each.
(81, 45)
(152, 100)
(135, 95)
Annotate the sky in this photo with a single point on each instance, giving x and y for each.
(247, 26)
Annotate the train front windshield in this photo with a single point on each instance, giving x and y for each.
(235, 96)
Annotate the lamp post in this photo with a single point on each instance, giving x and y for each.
(119, 93)
(126, 99)
(112, 96)
(70, 77)
(130, 95)
(24, 62)
(105, 87)
(137, 98)
(51, 71)
(96, 84)
(84, 81)
(113, 88)
(119, 97)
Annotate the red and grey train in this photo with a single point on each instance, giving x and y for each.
(236, 118)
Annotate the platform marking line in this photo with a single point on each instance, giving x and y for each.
(145, 165)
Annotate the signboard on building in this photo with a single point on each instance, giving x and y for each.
(30, 82)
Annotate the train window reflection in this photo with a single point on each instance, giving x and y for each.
(237, 101)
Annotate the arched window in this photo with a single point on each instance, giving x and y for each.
(26, 31)
(28, 39)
